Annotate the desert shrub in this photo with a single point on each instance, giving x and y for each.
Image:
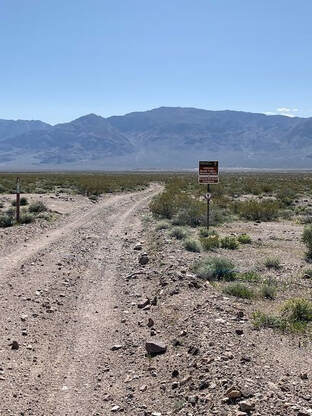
(162, 225)
(215, 268)
(204, 232)
(179, 233)
(263, 320)
(268, 291)
(192, 214)
(265, 210)
(192, 245)
(250, 276)
(272, 263)
(11, 212)
(307, 240)
(6, 221)
(244, 239)
(37, 206)
(229, 243)
(23, 202)
(297, 310)
(26, 218)
(239, 290)
(211, 242)
(295, 315)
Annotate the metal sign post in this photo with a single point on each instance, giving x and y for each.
(18, 199)
(208, 173)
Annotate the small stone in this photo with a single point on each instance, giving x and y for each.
(239, 331)
(144, 303)
(304, 376)
(14, 345)
(233, 393)
(115, 408)
(137, 247)
(247, 406)
(143, 259)
(24, 317)
(143, 388)
(155, 347)
(175, 373)
(154, 301)
(116, 347)
(150, 323)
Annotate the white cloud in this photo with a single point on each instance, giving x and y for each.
(285, 111)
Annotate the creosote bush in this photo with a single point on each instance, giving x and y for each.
(229, 243)
(295, 316)
(215, 268)
(239, 290)
(6, 221)
(250, 276)
(254, 210)
(307, 239)
(192, 245)
(211, 242)
(37, 206)
(179, 233)
(244, 239)
(26, 218)
(162, 225)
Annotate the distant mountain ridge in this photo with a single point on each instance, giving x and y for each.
(162, 138)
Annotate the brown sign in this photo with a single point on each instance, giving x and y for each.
(208, 168)
(208, 179)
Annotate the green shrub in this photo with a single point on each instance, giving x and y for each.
(244, 239)
(37, 206)
(26, 218)
(297, 310)
(192, 245)
(23, 201)
(192, 214)
(272, 263)
(250, 276)
(264, 210)
(239, 290)
(263, 320)
(179, 233)
(162, 225)
(204, 232)
(307, 239)
(268, 291)
(11, 212)
(215, 268)
(211, 242)
(229, 243)
(6, 221)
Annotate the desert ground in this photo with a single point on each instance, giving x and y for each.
(87, 297)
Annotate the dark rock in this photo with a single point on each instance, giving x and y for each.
(155, 347)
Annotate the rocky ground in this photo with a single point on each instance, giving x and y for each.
(85, 314)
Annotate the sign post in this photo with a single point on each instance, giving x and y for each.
(18, 190)
(208, 173)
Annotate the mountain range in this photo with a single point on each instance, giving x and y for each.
(162, 138)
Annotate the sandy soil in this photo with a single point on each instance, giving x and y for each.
(59, 290)
(73, 296)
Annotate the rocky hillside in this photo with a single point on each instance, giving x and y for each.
(161, 138)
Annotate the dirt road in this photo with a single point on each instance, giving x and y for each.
(59, 295)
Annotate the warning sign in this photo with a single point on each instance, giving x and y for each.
(208, 172)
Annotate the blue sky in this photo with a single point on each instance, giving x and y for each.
(61, 59)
